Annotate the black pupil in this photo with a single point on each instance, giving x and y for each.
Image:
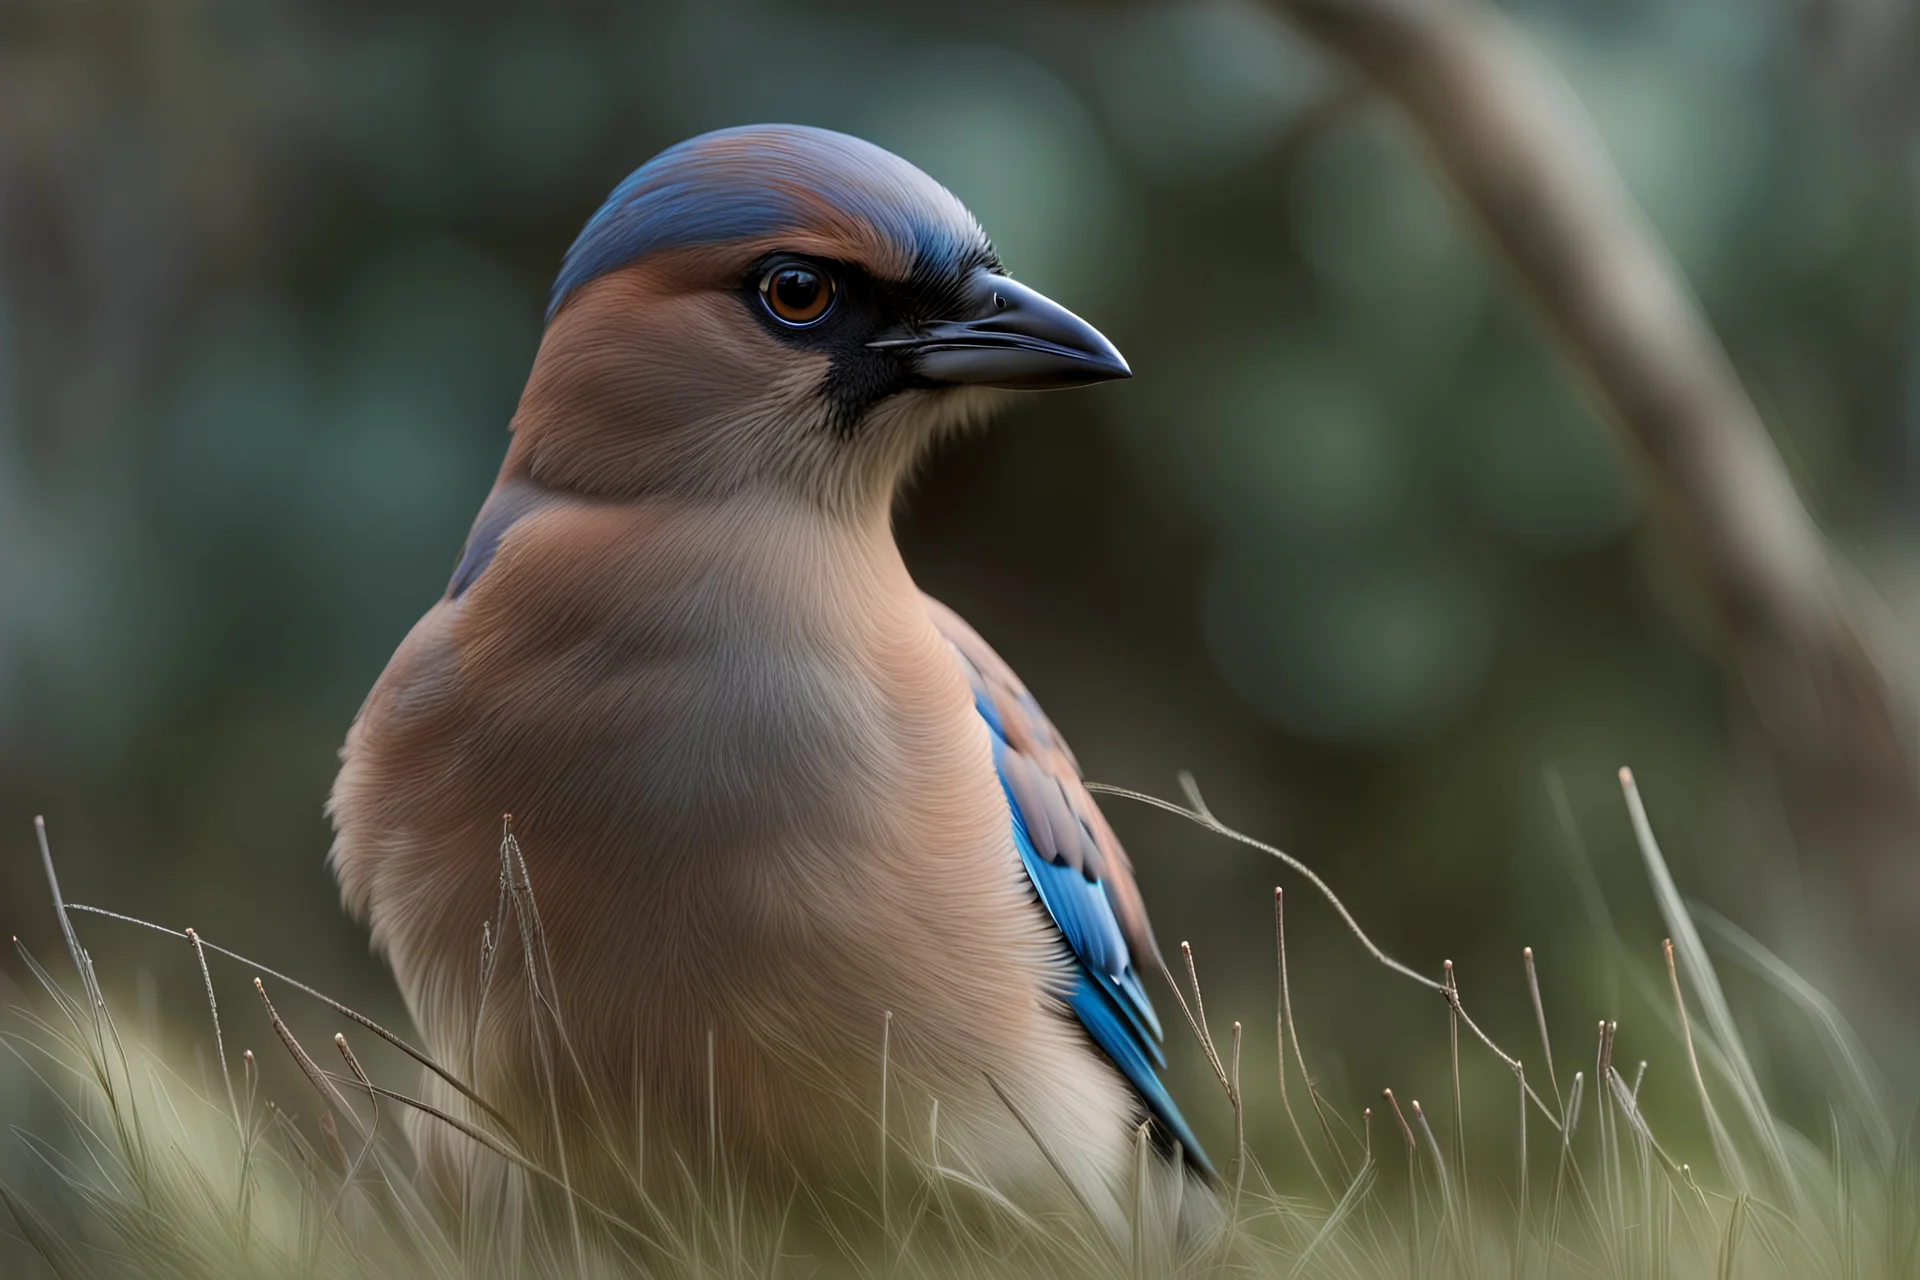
(796, 289)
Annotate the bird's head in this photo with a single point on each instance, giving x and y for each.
(786, 307)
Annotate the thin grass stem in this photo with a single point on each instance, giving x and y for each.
(420, 1056)
(1200, 814)
(1540, 1020)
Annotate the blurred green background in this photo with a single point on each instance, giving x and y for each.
(1350, 545)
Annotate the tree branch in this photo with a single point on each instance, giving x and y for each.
(1506, 133)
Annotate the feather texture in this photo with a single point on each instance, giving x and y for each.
(766, 806)
(1079, 872)
(737, 185)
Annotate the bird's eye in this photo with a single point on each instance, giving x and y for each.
(796, 294)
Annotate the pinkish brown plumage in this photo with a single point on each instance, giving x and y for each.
(768, 792)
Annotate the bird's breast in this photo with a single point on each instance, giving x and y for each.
(758, 810)
(707, 724)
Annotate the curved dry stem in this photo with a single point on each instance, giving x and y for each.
(418, 1055)
(1204, 816)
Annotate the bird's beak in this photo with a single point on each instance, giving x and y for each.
(1011, 337)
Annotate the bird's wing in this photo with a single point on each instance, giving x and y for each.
(1078, 870)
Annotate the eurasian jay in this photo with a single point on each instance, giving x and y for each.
(778, 806)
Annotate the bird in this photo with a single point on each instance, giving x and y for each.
(803, 852)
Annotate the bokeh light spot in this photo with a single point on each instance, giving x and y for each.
(1348, 648)
(1020, 150)
(1198, 90)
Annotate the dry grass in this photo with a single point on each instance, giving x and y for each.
(157, 1176)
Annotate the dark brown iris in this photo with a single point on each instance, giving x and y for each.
(797, 294)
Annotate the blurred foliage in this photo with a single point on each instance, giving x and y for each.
(1350, 545)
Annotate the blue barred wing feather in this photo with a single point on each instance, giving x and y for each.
(1080, 875)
